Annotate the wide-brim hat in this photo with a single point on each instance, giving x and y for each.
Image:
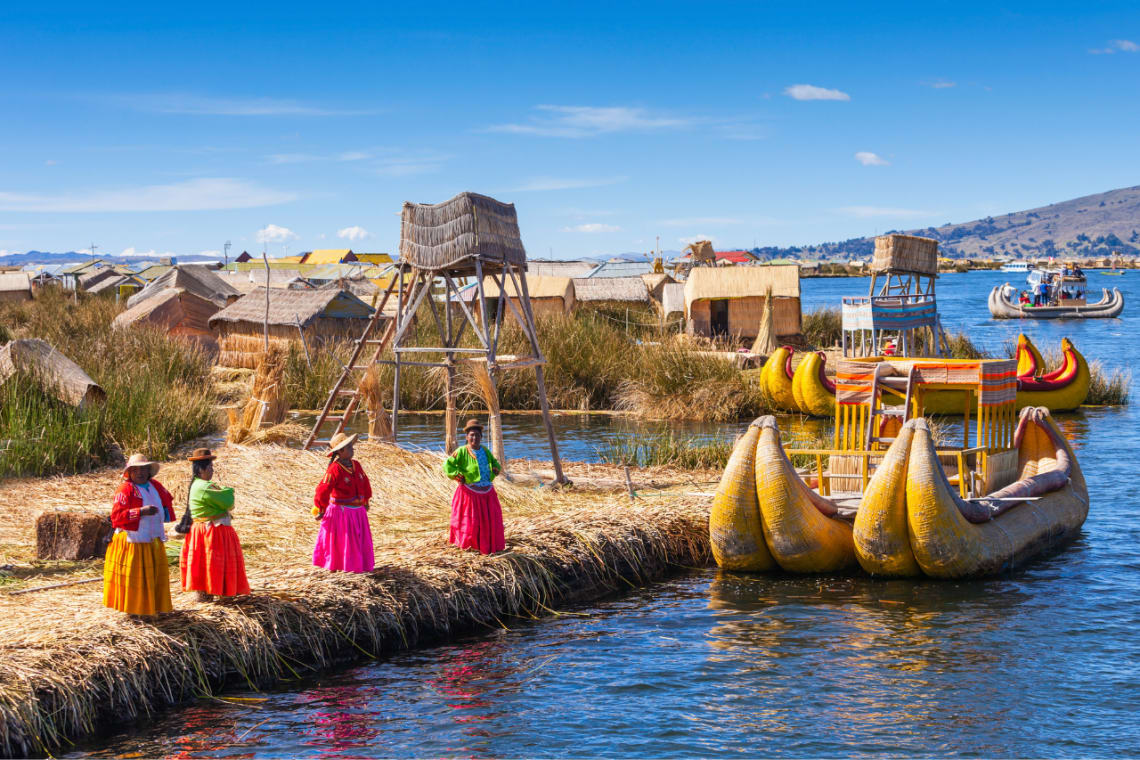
(340, 441)
(473, 424)
(138, 460)
(202, 455)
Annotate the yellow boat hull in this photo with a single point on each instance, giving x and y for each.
(809, 390)
(882, 541)
(735, 532)
(776, 382)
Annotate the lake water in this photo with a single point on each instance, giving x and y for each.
(1044, 662)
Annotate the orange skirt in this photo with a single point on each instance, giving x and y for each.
(212, 561)
(136, 577)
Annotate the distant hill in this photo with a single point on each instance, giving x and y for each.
(1090, 227)
(72, 257)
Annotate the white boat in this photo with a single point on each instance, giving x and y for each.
(1015, 266)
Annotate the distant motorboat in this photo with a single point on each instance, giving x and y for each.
(1015, 266)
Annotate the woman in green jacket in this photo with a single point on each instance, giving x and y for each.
(212, 562)
(476, 515)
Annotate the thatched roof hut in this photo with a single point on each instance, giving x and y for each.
(729, 301)
(320, 315)
(548, 295)
(91, 278)
(616, 290)
(177, 311)
(905, 253)
(452, 234)
(15, 286)
(202, 282)
(559, 268)
(656, 282)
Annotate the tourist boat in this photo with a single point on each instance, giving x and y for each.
(1016, 266)
(1110, 305)
(1062, 389)
(890, 498)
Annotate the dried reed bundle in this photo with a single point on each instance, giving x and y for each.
(379, 423)
(70, 666)
(267, 403)
(487, 389)
(765, 342)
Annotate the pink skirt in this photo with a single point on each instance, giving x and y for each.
(477, 520)
(345, 540)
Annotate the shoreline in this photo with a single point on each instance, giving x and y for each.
(72, 668)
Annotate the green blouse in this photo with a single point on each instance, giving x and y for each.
(464, 463)
(209, 500)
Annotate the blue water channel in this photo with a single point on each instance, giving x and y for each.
(1043, 662)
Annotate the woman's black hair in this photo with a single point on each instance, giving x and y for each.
(196, 470)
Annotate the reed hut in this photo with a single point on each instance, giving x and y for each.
(729, 301)
(56, 374)
(15, 287)
(655, 282)
(599, 292)
(90, 279)
(178, 312)
(673, 300)
(199, 280)
(319, 316)
(549, 296)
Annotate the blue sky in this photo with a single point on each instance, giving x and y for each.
(147, 128)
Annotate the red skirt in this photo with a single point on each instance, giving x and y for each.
(212, 561)
(477, 520)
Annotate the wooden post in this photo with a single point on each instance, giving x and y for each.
(265, 259)
(397, 337)
(494, 416)
(449, 421)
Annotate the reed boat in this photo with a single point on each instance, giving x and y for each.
(1110, 305)
(1030, 362)
(813, 390)
(776, 379)
(946, 511)
(1063, 389)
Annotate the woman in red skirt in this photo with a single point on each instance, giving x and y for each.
(212, 562)
(476, 516)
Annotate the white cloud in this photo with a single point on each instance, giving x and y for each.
(353, 155)
(693, 221)
(202, 105)
(811, 92)
(1117, 46)
(205, 194)
(867, 158)
(542, 184)
(867, 212)
(940, 84)
(271, 233)
(209, 253)
(694, 238)
(353, 233)
(593, 227)
(385, 162)
(591, 121)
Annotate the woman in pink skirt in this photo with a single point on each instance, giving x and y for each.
(341, 504)
(476, 516)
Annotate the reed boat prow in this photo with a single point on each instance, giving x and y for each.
(735, 532)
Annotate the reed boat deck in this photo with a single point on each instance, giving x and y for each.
(72, 667)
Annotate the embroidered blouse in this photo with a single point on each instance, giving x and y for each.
(477, 469)
(341, 485)
(127, 507)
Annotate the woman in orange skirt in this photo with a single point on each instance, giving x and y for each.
(136, 575)
(212, 562)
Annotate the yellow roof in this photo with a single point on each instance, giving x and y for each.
(327, 256)
(373, 258)
(287, 260)
(537, 286)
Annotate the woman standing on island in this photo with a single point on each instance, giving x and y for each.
(476, 515)
(341, 504)
(212, 562)
(136, 575)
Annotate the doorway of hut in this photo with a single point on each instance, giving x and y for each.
(718, 318)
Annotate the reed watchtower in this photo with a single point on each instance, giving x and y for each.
(470, 236)
(900, 306)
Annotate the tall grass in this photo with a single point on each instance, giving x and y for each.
(1108, 388)
(666, 448)
(159, 390)
(823, 327)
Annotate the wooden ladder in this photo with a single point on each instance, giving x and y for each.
(348, 384)
(878, 410)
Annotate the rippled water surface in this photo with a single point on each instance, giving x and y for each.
(1043, 662)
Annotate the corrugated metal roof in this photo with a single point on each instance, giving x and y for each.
(621, 269)
(553, 268)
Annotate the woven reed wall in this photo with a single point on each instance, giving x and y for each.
(467, 226)
(905, 252)
(241, 343)
(744, 315)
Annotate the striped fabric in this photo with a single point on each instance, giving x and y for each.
(995, 380)
(889, 313)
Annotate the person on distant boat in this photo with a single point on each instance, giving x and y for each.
(212, 562)
(136, 574)
(341, 504)
(476, 515)
(1023, 299)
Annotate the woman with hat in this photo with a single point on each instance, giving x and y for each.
(341, 504)
(136, 575)
(212, 562)
(476, 515)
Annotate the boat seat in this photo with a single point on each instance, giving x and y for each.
(847, 504)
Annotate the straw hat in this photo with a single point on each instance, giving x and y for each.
(473, 424)
(202, 455)
(339, 441)
(138, 460)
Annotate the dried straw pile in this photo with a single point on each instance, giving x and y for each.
(70, 665)
(267, 404)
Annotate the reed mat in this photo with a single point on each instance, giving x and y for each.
(71, 667)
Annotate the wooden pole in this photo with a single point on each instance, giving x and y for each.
(449, 421)
(494, 415)
(265, 259)
(397, 336)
